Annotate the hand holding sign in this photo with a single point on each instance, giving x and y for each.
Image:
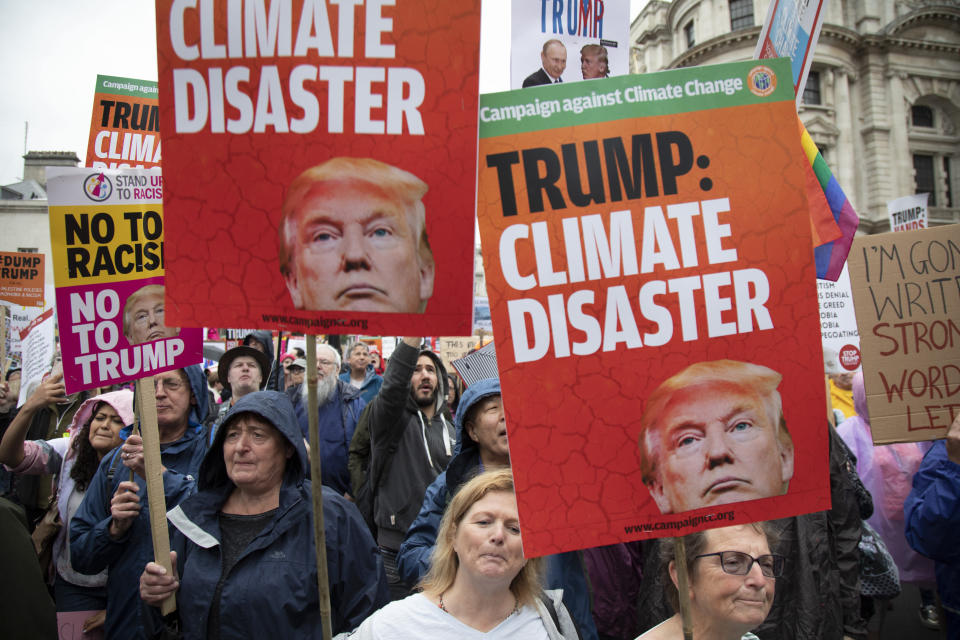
(157, 584)
(50, 391)
(132, 455)
(124, 508)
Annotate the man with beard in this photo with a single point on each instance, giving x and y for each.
(411, 444)
(339, 406)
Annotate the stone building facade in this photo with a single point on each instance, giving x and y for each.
(882, 101)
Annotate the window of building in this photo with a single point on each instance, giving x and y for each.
(811, 90)
(688, 32)
(923, 177)
(948, 195)
(741, 14)
(921, 115)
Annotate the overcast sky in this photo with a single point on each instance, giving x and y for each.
(52, 51)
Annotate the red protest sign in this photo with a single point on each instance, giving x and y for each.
(647, 253)
(319, 164)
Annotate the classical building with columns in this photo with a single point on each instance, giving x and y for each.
(883, 97)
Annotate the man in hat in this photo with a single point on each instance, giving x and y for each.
(244, 370)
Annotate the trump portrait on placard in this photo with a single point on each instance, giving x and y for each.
(353, 238)
(715, 434)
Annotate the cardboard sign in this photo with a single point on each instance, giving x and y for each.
(125, 126)
(330, 151)
(106, 230)
(791, 30)
(632, 227)
(906, 290)
(21, 278)
(575, 23)
(838, 324)
(909, 212)
(454, 348)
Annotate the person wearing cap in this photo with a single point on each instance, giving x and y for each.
(285, 363)
(482, 446)
(295, 372)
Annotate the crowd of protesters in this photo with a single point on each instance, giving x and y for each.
(420, 518)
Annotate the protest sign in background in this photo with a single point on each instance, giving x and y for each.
(125, 125)
(906, 289)
(37, 348)
(21, 278)
(909, 212)
(573, 22)
(632, 227)
(257, 100)
(791, 30)
(838, 324)
(106, 231)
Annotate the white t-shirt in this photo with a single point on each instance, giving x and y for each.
(415, 617)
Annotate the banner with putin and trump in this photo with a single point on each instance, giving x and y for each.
(320, 163)
(649, 264)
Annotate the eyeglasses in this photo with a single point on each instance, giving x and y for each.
(170, 384)
(737, 563)
(326, 363)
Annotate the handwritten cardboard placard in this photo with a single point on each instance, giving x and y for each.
(906, 291)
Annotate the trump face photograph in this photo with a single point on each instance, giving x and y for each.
(353, 238)
(715, 434)
(143, 316)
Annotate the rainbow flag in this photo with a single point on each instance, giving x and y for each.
(830, 254)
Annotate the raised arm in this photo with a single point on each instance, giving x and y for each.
(50, 391)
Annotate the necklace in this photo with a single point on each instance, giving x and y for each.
(516, 606)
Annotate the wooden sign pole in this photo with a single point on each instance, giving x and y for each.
(319, 533)
(3, 343)
(680, 556)
(153, 468)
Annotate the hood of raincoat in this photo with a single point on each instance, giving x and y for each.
(274, 408)
(121, 401)
(265, 340)
(440, 395)
(474, 394)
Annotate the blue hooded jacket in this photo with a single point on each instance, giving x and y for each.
(271, 591)
(564, 571)
(336, 423)
(92, 549)
(932, 513)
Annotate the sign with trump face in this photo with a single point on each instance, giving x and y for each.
(648, 258)
(106, 231)
(320, 163)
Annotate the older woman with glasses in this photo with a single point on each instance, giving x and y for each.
(731, 575)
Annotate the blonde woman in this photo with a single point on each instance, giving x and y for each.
(479, 584)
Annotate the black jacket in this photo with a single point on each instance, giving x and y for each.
(408, 450)
(537, 78)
